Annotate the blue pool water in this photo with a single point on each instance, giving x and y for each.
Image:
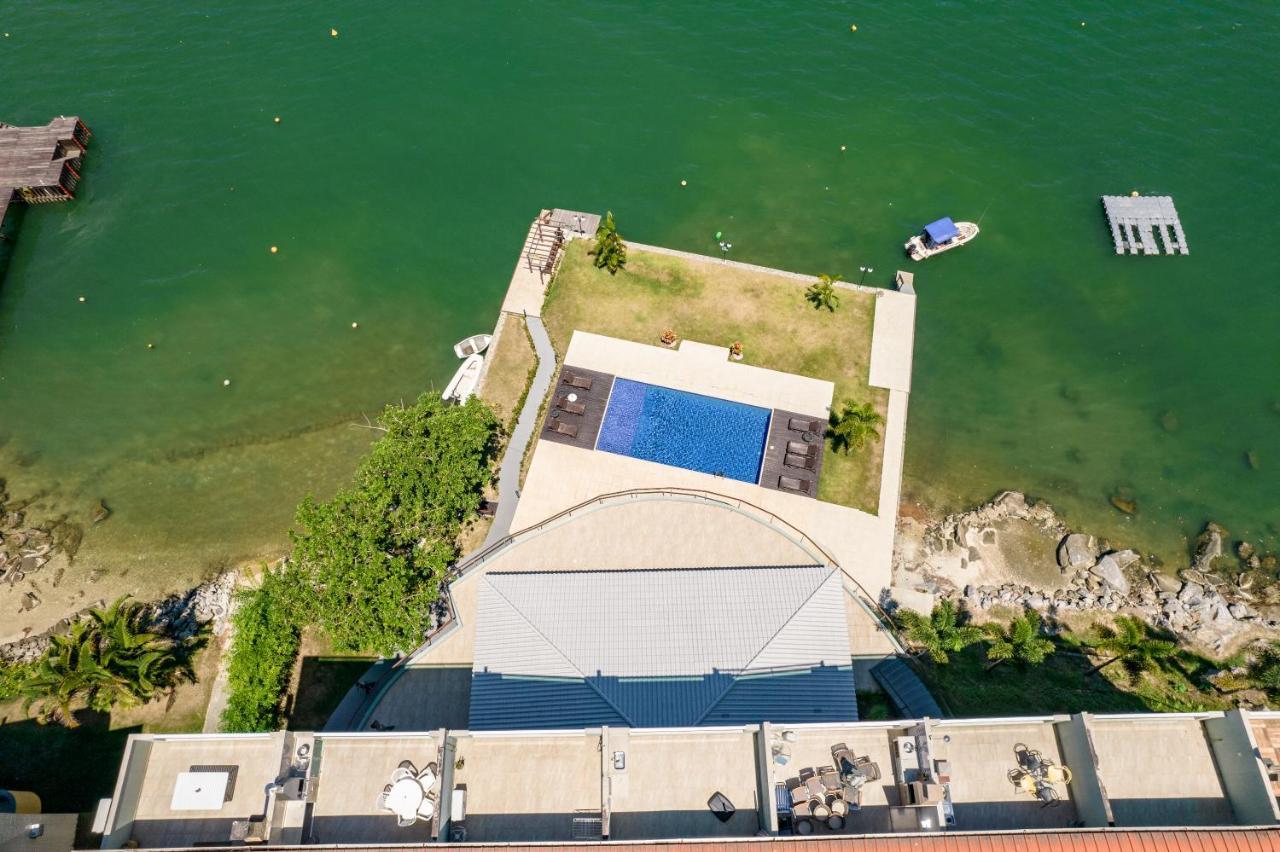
(684, 429)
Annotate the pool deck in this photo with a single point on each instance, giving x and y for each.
(562, 475)
(700, 368)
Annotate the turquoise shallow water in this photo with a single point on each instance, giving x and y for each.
(414, 148)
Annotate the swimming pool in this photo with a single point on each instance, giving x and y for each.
(685, 429)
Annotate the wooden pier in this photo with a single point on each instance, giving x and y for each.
(40, 165)
(1136, 219)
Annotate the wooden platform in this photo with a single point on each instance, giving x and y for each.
(1136, 219)
(596, 399)
(774, 466)
(41, 164)
(575, 223)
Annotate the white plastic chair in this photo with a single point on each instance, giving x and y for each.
(400, 773)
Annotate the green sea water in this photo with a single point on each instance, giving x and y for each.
(414, 148)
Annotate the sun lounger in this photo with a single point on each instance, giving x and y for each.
(800, 486)
(800, 448)
(564, 404)
(800, 424)
(561, 428)
(583, 382)
(802, 462)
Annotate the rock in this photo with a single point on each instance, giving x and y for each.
(100, 512)
(1238, 610)
(1244, 550)
(989, 536)
(1208, 547)
(1251, 459)
(1169, 421)
(1191, 592)
(1124, 503)
(1111, 573)
(30, 601)
(1077, 552)
(1254, 562)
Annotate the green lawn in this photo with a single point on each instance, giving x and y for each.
(511, 365)
(718, 304)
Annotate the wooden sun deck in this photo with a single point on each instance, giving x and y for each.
(774, 466)
(595, 400)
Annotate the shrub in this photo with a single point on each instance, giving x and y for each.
(267, 635)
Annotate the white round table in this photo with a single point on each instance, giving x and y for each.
(405, 798)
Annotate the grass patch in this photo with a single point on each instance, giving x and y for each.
(874, 706)
(320, 680)
(718, 304)
(512, 363)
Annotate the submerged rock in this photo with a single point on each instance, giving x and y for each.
(1124, 503)
(100, 512)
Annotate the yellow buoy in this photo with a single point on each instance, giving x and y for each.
(226, 383)
(275, 249)
(333, 33)
(1133, 194)
(684, 183)
(277, 119)
(842, 148)
(82, 298)
(853, 28)
(355, 325)
(151, 346)
(1082, 23)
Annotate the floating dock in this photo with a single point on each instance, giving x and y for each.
(40, 165)
(1136, 219)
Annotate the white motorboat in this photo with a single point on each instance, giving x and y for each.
(473, 345)
(938, 237)
(463, 384)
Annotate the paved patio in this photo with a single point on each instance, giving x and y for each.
(701, 368)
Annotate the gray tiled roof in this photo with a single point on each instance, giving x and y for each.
(661, 647)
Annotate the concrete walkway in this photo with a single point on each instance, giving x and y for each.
(509, 473)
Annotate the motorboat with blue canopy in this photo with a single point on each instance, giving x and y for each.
(938, 236)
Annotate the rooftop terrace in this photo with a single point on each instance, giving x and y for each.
(633, 784)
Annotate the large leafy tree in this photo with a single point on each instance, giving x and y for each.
(374, 555)
(112, 658)
(853, 426)
(610, 251)
(822, 293)
(941, 633)
(1020, 642)
(1131, 644)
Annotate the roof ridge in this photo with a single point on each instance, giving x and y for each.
(661, 570)
(787, 621)
(556, 648)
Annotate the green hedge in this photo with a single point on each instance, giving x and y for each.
(12, 677)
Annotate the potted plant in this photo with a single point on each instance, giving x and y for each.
(668, 337)
(735, 351)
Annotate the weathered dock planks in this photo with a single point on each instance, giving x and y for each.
(39, 165)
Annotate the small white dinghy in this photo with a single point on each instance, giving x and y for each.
(473, 345)
(938, 237)
(463, 384)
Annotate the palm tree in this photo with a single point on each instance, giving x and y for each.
(1020, 641)
(111, 658)
(822, 293)
(610, 251)
(940, 632)
(853, 426)
(1130, 643)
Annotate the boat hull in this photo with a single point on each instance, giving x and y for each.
(918, 248)
(473, 345)
(463, 384)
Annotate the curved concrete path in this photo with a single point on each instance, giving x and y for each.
(509, 472)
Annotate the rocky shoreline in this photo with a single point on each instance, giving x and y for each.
(1059, 572)
(178, 616)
